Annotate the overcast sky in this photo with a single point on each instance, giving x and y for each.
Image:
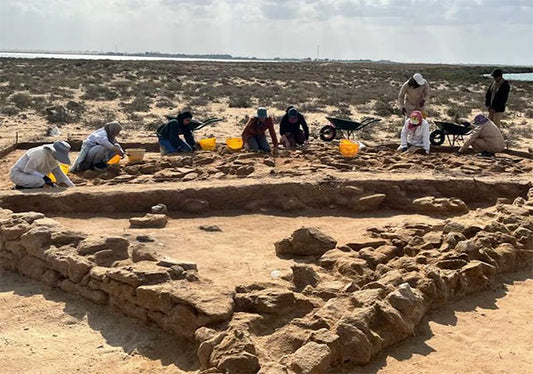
(456, 31)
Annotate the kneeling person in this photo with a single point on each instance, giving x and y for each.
(291, 127)
(253, 134)
(415, 133)
(486, 137)
(32, 169)
(169, 135)
(99, 148)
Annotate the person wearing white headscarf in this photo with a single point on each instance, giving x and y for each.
(99, 148)
(415, 134)
(414, 95)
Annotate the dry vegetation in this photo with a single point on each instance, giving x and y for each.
(139, 93)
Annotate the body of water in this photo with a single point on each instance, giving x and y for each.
(117, 58)
(526, 77)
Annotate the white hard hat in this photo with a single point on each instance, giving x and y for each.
(419, 79)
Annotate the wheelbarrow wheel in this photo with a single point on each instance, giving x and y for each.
(328, 133)
(436, 137)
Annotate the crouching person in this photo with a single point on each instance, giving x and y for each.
(415, 134)
(32, 169)
(293, 129)
(253, 135)
(169, 135)
(486, 137)
(99, 148)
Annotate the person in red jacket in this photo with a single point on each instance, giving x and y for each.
(253, 134)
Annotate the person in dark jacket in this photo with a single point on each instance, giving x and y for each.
(169, 135)
(496, 97)
(291, 127)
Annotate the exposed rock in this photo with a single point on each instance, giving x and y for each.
(142, 273)
(210, 228)
(311, 358)
(36, 241)
(306, 241)
(92, 245)
(149, 221)
(28, 217)
(303, 275)
(143, 253)
(373, 243)
(145, 239)
(368, 203)
(67, 237)
(440, 206)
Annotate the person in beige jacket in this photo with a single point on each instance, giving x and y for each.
(486, 137)
(414, 95)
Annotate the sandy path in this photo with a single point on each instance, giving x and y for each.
(43, 331)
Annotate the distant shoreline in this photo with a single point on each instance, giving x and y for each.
(155, 56)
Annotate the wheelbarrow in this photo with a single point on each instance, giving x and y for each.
(196, 124)
(344, 128)
(454, 132)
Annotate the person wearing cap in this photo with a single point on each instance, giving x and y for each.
(414, 95)
(496, 97)
(415, 134)
(169, 135)
(99, 148)
(33, 168)
(485, 138)
(253, 134)
(293, 129)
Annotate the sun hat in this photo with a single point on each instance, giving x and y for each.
(60, 150)
(480, 119)
(419, 79)
(262, 112)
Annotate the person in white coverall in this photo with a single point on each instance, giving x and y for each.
(32, 169)
(415, 134)
(99, 148)
(414, 95)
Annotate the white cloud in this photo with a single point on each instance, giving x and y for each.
(481, 31)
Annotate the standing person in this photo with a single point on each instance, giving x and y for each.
(496, 97)
(99, 148)
(486, 137)
(414, 95)
(290, 131)
(169, 135)
(32, 169)
(415, 134)
(253, 134)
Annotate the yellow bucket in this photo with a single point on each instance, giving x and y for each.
(208, 144)
(234, 144)
(135, 154)
(63, 167)
(114, 160)
(348, 149)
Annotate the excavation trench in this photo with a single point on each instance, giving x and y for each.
(285, 195)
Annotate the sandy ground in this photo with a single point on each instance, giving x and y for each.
(48, 331)
(244, 250)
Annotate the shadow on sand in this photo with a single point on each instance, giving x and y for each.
(133, 336)
(445, 315)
